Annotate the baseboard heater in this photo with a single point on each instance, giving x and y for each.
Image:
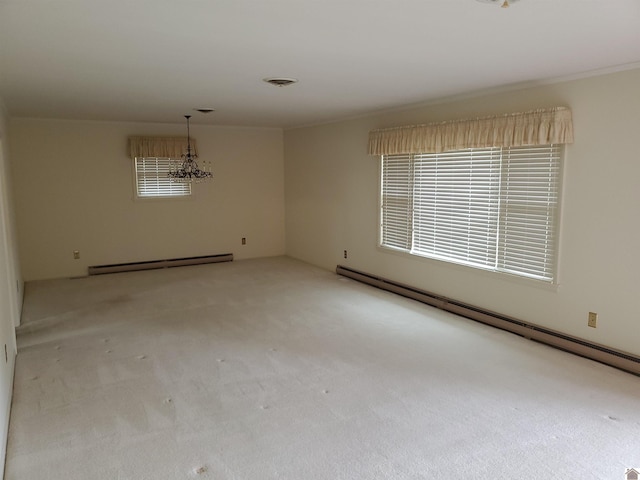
(150, 265)
(615, 358)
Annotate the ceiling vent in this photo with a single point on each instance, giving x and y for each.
(502, 3)
(280, 81)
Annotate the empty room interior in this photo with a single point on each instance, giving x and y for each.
(307, 240)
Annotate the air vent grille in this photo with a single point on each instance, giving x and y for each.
(280, 81)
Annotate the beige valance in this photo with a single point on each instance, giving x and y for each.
(536, 127)
(171, 147)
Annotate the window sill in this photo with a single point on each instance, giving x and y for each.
(476, 271)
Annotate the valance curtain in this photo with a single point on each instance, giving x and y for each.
(170, 147)
(536, 127)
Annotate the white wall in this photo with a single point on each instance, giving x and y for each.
(10, 289)
(74, 191)
(332, 205)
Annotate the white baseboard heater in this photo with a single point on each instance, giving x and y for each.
(615, 358)
(173, 262)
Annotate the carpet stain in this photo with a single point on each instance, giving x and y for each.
(119, 299)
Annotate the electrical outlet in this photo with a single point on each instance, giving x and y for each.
(593, 319)
(244, 241)
(76, 254)
(345, 254)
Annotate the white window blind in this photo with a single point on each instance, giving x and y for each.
(397, 197)
(456, 205)
(529, 210)
(152, 179)
(492, 208)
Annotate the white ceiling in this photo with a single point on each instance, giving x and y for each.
(156, 60)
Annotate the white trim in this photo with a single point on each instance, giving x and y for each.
(506, 88)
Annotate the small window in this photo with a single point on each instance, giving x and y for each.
(152, 179)
(492, 208)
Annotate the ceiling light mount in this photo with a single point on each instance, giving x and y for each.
(204, 110)
(280, 81)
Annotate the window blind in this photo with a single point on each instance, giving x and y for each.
(494, 208)
(456, 205)
(529, 207)
(152, 179)
(397, 194)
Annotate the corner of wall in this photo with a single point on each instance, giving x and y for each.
(11, 298)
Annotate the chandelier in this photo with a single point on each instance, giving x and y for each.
(187, 171)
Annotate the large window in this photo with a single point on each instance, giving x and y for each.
(152, 179)
(491, 208)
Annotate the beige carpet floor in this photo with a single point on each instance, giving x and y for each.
(273, 369)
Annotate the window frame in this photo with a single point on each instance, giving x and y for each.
(491, 270)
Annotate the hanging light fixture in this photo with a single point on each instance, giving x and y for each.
(188, 171)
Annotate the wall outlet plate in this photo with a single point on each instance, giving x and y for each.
(593, 319)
